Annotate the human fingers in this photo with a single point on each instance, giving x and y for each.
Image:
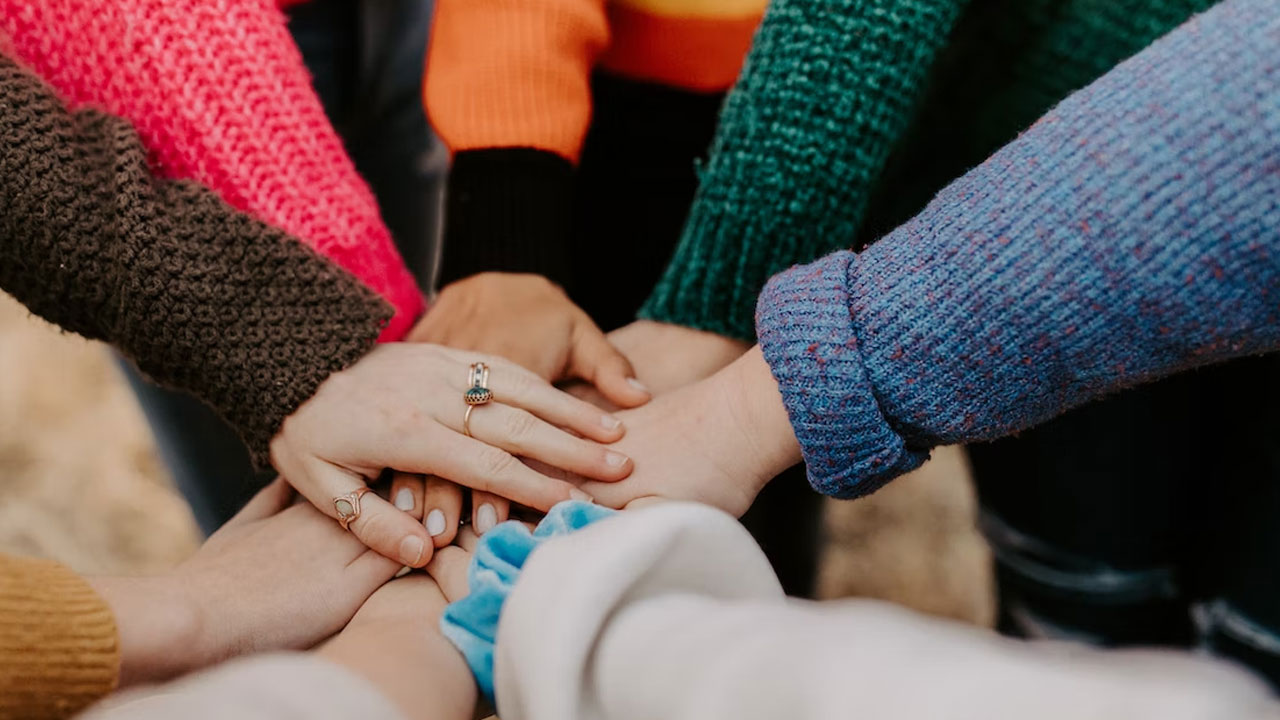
(479, 466)
(442, 503)
(406, 493)
(594, 359)
(523, 434)
(448, 567)
(487, 510)
(377, 523)
(518, 387)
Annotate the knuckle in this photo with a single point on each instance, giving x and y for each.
(495, 462)
(519, 425)
(377, 530)
(518, 380)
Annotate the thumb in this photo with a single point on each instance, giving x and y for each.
(594, 359)
(378, 524)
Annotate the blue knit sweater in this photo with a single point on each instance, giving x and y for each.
(1133, 232)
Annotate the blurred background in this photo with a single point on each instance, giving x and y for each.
(82, 483)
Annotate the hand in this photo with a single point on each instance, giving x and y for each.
(667, 357)
(530, 321)
(401, 407)
(395, 643)
(274, 577)
(718, 441)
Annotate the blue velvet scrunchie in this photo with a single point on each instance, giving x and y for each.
(472, 622)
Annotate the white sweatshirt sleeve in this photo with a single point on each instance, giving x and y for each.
(672, 612)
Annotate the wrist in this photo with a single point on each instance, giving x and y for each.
(378, 653)
(766, 443)
(158, 624)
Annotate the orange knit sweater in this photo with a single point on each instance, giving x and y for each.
(59, 650)
(515, 73)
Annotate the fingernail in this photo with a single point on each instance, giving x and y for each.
(411, 550)
(435, 523)
(613, 459)
(610, 422)
(486, 518)
(404, 499)
(637, 385)
(404, 571)
(576, 494)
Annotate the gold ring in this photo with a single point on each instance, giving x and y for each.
(348, 507)
(478, 394)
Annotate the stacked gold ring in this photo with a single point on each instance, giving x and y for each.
(477, 394)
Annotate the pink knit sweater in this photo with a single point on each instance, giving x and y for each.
(219, 94)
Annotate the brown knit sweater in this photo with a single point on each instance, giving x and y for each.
(199, 296)
(58, 646)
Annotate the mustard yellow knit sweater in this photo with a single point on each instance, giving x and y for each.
(59, 650)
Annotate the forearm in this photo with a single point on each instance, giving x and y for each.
(828, 89)
(199, 296)
(219, 95)
(1128, 235)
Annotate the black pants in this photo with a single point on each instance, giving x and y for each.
(1152, 518)
(366, 60)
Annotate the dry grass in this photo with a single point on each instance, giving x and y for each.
(82, 484)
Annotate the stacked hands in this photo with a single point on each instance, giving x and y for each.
(400, 411)
(390, 430)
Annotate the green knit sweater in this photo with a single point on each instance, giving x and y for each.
(850, 114)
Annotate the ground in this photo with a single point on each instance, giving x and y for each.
(80, 482)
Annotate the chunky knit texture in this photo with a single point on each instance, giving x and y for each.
(818, 148)
(200, 296)
(828, 87)
(1131, 233)
(219, 94)
(59, 650)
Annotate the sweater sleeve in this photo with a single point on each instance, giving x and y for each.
(200, 296)
(672, 611)
(508, 91)
(1133, 232)
(219, 94)
(59, 650)
(828, 88)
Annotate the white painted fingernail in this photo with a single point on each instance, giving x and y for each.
(610, 422)
(486, 518)
(435, 523)
(613, 459)
(576, 494)
(637, 385)
(411, 550)
(404, 499)
(404, 571)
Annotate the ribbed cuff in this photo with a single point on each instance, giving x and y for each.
(810, 343)
(711, 282)
(508, 210)
(59, 651)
